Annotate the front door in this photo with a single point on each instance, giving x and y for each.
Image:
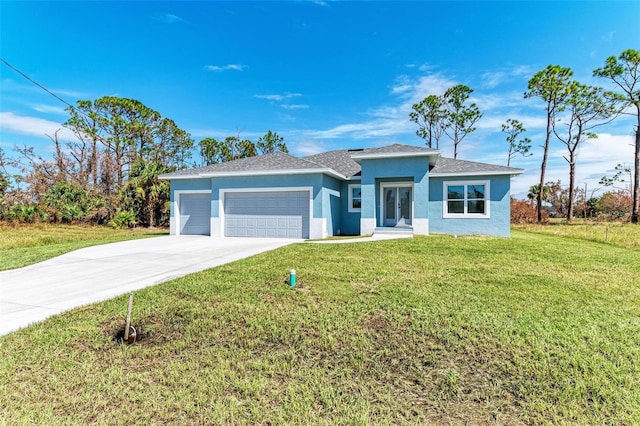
(397, 201)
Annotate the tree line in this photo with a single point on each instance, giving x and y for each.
(109, 172)
(572, 110)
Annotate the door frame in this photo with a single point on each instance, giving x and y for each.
(396, 185)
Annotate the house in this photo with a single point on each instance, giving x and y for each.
(397, 188)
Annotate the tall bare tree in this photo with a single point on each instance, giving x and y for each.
(461, 116)
(550, 86)
(431, 117)
(624, 72)
(514, 128)
(587, 107)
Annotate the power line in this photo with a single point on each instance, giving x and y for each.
(36, 83)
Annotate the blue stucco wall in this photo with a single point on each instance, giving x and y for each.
(350, 221)
(332, 204)
(187, 185)
(377, 171)
(497, 224)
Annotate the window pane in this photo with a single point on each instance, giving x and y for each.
(455, 206)
(476, 207)
(356, 204)
(355, 192)
(455, 192)
(475, 191)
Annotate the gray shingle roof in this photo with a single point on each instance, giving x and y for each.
(339, 160)
(396, 149)
(268, 162)
(450, 165)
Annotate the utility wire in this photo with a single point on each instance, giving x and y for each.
(36, 83)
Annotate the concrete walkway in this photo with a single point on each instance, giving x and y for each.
(97, 273)
(374, 237)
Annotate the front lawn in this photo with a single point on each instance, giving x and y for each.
(474, 330)
(22, 245)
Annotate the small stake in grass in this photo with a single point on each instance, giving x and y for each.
(128, 324)
(292, 278)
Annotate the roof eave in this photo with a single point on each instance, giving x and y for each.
(327, 171)
(382, 155)
(486, 173)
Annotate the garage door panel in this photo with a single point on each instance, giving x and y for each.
(267, 214)
(195, 214)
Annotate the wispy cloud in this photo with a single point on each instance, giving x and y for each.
(391, 120)
(168, 18)
(319, 2)
(295, 106)
(608, 36)
(278, 97)
(493, 79)
(229, 67)
(306, 148)
(12, 123)
(13, 86)
(49, 109)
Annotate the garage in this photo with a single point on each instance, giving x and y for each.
(195, 213)
(272, 214)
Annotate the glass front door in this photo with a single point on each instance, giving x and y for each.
(397, 205)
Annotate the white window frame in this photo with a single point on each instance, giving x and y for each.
(465, 215)
(351, 208)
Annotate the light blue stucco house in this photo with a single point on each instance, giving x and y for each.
(397, 188)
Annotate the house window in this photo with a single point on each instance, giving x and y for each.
(466, 199)
(355, 198)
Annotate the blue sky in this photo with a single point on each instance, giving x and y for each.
(322, 74)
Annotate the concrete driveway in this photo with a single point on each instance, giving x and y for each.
(97, 273)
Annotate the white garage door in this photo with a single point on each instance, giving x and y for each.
(195, 214)
(278, 214)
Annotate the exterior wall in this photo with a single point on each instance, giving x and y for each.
(499, 221)
(378, 171)
(184, 185)
(350, 221)
(331, 205)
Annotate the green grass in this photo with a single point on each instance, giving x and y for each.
(24, 245)
(474, 330)
(616, 233)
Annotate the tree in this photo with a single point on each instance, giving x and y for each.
(621, 171)
(236, 148)
(5, 182)
(460, 117)
(558, 198)
(129, 131)
(615, 204)
(211, 151)
(271, 142)
(624, 73)
(534, 194)
(587, 108)
(231, 148)
(550, 86)
(144, 193)
(513, 128)
(431, 118)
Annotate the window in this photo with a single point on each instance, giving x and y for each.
(466, 199)
(355, 198)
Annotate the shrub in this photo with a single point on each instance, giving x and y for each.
(525, 212)
(123, 219)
